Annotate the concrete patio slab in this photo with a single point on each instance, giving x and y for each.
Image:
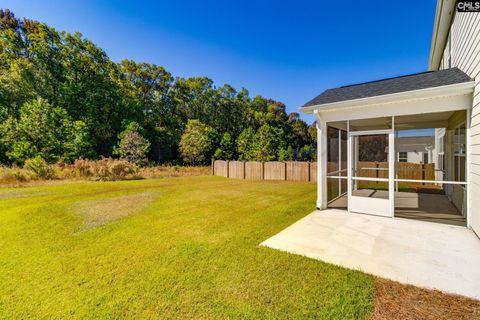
(430, 255)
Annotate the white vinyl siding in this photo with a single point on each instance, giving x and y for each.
(462, 50)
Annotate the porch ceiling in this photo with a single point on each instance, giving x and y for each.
(414, 121)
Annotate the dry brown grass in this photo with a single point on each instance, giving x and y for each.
(173, 171)
(105, 169)
(97, 213)
(399, 301)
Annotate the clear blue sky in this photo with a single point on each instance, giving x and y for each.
(287, 50)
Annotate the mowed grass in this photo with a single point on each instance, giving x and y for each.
(189, 248)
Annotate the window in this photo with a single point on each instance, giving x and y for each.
(441, 153)
(459, 169)
(459, 147)
(441, 145)
(402, 157)
(459, 142)
(425, 158)
(441, 162)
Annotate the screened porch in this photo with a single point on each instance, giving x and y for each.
(428, 162)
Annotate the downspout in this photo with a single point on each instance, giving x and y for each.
(321, 161)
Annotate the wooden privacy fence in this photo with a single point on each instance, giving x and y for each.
(269, 170)
(307, 171)
(405, 170)
(416, 171)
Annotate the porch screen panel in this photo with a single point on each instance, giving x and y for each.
(336, 166)
(333, 152)
(430, 167)
(343, 161)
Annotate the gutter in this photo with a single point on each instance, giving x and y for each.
(441, 28)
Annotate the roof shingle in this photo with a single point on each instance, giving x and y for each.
(417, 81)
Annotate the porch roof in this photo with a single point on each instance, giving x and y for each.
(424, 80)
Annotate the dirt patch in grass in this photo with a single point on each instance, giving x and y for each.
(97, 213)
(399, 301)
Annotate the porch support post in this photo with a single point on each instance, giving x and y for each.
(391, 168)
(355, 159)
(349, 167)
(321, 162)
(468, 172)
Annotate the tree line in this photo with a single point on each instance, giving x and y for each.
(62, 98)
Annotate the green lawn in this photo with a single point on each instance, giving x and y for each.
(167, 248)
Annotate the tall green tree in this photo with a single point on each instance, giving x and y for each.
(98, 97)
(245, 144)
(196, 142)
(226, 150)
(132, 146)
(46, 131)
(146, 90)
(286, 154)
(268, 141)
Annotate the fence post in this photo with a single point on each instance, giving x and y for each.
(263, 170)
(244, 170)
(309, 178)
(285, 169)
(423, 174)
(228, 169)
(213, 167)
(376, 170)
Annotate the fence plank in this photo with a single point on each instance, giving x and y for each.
(297, 171)
(274, 170)
(313, 172)
(220, 168)
(236, 170)
(253, 170)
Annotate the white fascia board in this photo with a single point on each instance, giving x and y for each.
(428, 93)
(402, 108)
(443, 18)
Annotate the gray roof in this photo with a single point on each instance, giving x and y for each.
(418, 144)
(411, 82)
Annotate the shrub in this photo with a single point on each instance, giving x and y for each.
(173, 171)
(132, 146)
(83, 167)
(40, 167)
(119, 169)
(20, 176)
(12, 176)
(105, 169)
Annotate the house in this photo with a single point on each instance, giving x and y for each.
(415, 149)
(373, 154)
(398, 178)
